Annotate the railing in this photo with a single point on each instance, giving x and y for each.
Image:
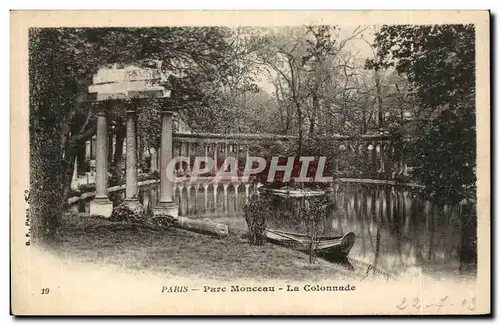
(375, 156)
(368, 156)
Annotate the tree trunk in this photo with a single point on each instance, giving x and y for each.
(468, 245)
(315, 108)
(299, 112)
(379, 100)
(288, 122)
(110, 144)
(67, 166)
(202, 226)
(81, 156)
(117, 160)
(45, 181)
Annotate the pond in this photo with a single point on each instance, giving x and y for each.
(396, 230)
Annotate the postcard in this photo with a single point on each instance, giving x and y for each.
(250, 163)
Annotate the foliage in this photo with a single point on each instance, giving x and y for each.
(319, 86)
(439, 61)
(87, 188)
(164, 221)
(257, 211)
(155, 174)
(225, 108)
(62, 62)
(267, 207)
(271, 148)
(133, 213)
(313, 211)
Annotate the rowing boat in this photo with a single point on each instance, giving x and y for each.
(337, 247)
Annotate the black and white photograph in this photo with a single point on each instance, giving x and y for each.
(311, 166)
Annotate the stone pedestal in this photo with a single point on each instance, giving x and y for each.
(166, 209)
(101, 206)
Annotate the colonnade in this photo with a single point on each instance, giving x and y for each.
(373, 153)
(217, 150)
(101, 205)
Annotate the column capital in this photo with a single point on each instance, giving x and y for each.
(167, 112)
(101, 112)
(102, 107)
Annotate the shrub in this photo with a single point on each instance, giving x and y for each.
(313, 210)
(129, 211)
(163, 221)
(86, 188)
(115, 178)
(257, 211)
(155, 174)
(73, 192)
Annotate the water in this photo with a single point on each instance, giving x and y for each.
(396, 230)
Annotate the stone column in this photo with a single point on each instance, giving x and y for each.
(382, 153)
(188, 200)
(237, 155)
(247, 190)
(74, 178)
(225, 186)
(226, 155)
(196, 191)
(111, 137)
(235, 186)
(154, 160)
(88, 149)
(189, 147)
(374, 157)
(180, 170)
(131, 155)
(182, 201)
(215, 156)
(75, 169)
(205, 192)
(101, 205)
(131, 172)
(166, 205)
(215, 186)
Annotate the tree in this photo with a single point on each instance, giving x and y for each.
(302, 62)
(283, 52)
(439, 61)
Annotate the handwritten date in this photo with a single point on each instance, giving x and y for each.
(438, 305)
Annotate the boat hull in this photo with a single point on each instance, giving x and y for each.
(331, 248)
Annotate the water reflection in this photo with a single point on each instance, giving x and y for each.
(395, 229)
(219, 200)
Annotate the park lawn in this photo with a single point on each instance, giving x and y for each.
(178, 252)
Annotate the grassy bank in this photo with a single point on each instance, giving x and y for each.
(179, 252)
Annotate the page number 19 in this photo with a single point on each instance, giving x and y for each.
(45, 291)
